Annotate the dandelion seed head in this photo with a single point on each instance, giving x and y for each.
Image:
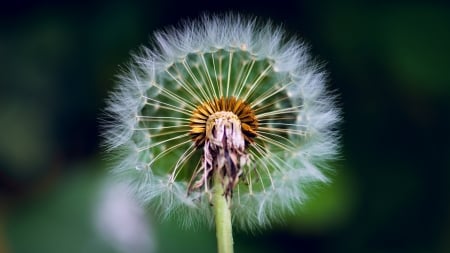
(223, 94)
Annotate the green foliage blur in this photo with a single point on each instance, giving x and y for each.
(388, 61)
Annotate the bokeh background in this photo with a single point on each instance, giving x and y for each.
(389, 61)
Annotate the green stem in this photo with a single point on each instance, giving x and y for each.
(223, 218)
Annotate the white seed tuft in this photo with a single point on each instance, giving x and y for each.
(198, 62)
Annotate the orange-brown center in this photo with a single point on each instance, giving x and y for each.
(200, 116)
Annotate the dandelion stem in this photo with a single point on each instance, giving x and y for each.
(223, 218)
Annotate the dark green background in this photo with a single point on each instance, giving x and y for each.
(390, 63)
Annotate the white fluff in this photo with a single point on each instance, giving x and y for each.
(147, 91)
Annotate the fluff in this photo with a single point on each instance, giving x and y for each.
(202, 60)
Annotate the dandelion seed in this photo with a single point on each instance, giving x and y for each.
(228, 99)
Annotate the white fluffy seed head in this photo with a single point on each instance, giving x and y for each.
(203, 60)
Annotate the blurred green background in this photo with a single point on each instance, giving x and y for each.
(389, 61)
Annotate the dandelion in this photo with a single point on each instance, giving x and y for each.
(226, 119)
